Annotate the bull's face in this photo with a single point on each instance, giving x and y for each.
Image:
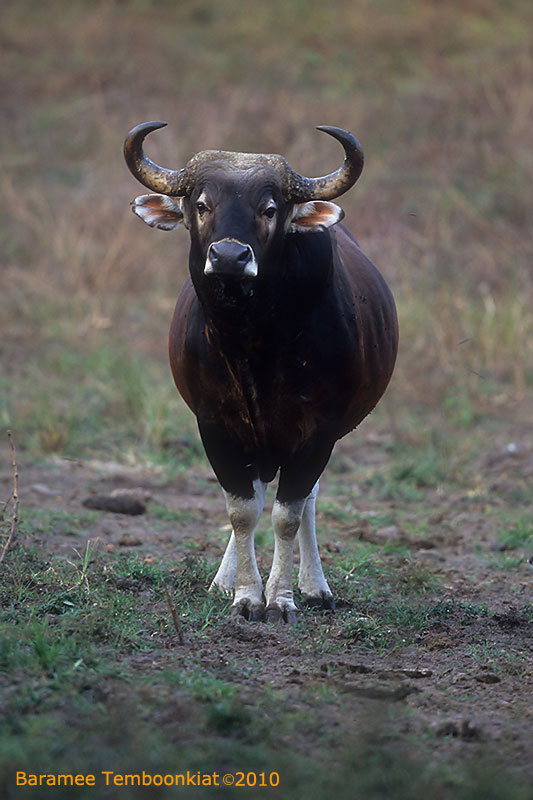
(237, 222)
(238, 207)
(236, 219)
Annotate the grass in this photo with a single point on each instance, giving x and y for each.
(501, 662)
(171, 514)
(391, 600)
(517, 536)
(55, 522)
(81, 650)
(68, 395)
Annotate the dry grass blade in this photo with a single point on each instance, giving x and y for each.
(15, 499)
(175, 618)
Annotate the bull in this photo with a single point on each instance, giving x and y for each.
(283, 340)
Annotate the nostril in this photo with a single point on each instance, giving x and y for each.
(244, 257)
(214, 254)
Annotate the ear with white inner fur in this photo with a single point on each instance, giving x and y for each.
(158, 211)
(317, 214)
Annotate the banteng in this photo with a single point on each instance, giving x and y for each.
(283, 339)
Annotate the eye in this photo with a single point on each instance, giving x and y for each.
(270, 212)
(201, 208)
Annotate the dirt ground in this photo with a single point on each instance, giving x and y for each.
(464, 684)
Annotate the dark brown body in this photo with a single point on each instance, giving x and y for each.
(291, 375)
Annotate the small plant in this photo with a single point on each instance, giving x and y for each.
(81, 579)
(9, 529)
(518, 536)
(413, 578)
(372, 632)
(458, 409)
(46, 650)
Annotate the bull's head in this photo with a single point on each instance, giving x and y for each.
(237, 206)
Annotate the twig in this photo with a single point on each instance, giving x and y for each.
(175, 618)
(15, 497)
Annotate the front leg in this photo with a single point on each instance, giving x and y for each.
(245, 497)
(286, 519)
(244, 515)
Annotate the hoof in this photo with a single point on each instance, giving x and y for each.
(253, 612)
(323, 601)
(276, 614)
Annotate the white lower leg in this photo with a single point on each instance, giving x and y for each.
(311, 581)
(227, 571)
(244, 515)
(285, 520)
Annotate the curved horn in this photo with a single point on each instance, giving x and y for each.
(164, 181)
(338, 182)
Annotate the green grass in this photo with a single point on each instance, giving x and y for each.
(66, 397)
(502, 662)
(162, 514)
(86, 641)
(518, 535)
(53, 522)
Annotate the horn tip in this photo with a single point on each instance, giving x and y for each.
(147, 127)
(335, 132)
(342, 136)
(153, 126)
(329, 128)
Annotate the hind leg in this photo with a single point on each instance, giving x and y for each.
(311, 580)
(294, 509)
(287, 519)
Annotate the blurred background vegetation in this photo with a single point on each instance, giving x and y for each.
(439, 94)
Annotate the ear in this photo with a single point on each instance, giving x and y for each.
(317, 214)
(158, 211)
